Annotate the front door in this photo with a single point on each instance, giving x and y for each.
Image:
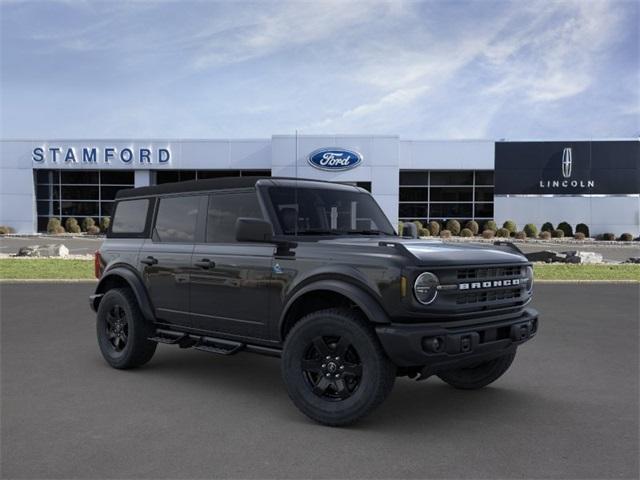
(230, 281)
(165, 259)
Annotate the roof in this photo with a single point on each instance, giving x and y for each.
(210, 184)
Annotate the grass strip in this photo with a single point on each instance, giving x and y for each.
(603, 272)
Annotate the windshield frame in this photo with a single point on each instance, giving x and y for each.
(385, 230)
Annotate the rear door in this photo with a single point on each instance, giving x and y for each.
(230, 281)
(165, 259)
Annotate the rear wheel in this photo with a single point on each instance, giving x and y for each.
(122, 330)
(478, 376)
(334, 368)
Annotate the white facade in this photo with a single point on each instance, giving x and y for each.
(383, 159)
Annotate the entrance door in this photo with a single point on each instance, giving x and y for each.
(230, 281)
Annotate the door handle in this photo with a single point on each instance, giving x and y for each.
(149, 260)
(205, 263)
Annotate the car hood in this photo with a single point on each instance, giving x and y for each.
(434, 252)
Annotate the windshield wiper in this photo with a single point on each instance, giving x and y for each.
(320, 232)
(366, 232)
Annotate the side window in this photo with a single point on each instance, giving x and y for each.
(130, 216)
(176, 219)
(224, 210)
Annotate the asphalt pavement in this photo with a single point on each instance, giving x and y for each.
(568, 407)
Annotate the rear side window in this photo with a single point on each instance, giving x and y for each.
(176, 219)
(224, 210)
(130, 216)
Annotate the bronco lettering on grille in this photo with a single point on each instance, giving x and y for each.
(489, 284)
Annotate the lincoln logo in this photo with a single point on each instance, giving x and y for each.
(566, 162)
(334, 159)
(489, 284)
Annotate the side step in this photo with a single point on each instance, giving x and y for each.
(206, 344)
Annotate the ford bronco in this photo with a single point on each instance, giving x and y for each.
(312, 272)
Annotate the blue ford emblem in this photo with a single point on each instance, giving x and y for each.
(334, 159)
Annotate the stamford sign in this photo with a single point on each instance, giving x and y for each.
(95, 155)
(334, 159)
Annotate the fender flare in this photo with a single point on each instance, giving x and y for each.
(368, 304)
(135, 283)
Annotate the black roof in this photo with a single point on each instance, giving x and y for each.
(212, 184)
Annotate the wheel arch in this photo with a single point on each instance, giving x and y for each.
(323, 294)
(123, 277)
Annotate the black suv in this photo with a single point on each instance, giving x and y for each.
(312, 272)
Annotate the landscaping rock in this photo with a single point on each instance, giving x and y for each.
(546, 256)
(632, 260)
(50, 250)
(583, 257)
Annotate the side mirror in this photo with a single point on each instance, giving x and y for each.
(253, 230)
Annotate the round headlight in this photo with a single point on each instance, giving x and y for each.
(426, 288)
(529, 280)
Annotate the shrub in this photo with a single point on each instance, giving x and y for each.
(400, 227)
(52, 224)
(424, 232)
(545, 235)
(93, 230)
(609, 237)
(503, 233)
(490, 225)
(87, 222)
(58, 229)
(453, 226)
(445, 234)
(521, 235)
(510, 225)
(557, 233)
(579, 236)
(626, 237)
(4, 229)
(473, 226)
(488, 234)
(566, 228)
(531, 230)
(434, 228)
(547, 227)
(466, 232)
(71, 225)
(583, 228)
(104, 223)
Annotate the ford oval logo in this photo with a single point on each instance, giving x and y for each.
(334, 159)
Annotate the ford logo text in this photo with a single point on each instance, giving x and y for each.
(334, 159)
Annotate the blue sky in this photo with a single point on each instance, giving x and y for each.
(477, 69)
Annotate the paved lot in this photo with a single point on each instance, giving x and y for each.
(568, 408)
(80, 246)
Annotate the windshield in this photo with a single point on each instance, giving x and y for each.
(326, 211)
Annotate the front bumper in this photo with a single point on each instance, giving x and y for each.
(452, 345)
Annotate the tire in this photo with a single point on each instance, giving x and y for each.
(480, 375)
(334, 367)
(122, 330)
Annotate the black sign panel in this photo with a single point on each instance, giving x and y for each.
(567, 168)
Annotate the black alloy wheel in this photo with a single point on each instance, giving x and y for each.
(117, 327)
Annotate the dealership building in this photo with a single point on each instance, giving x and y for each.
(596, 182)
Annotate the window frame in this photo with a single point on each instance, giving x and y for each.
(147, 223)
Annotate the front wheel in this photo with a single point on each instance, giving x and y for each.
(478, 376)
(334, 368)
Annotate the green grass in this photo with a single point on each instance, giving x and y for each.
(55, 268)
(561, 271)
(45, 268)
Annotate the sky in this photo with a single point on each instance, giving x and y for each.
(421, 70)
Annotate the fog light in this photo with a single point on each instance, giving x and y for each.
(433, 344)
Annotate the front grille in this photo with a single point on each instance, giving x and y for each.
(494, 272)
(489, 296)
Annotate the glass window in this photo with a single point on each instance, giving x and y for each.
(43, 191)
(131, 216)
(79, 209)
(116, 177)
(109, 192)
(451, 194)
(176, 219)
(106, 208)
(43, 208)
(224, 210)
(414, 194)
(484, 194)
(414, 178)
(451, 210)
(167, 177)
(203, 174)
(78, 177)
(454, 177)
(327, 211)
(76, 192)
(484, 177)
(409, 210)
(253, 173)
(484, 210)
